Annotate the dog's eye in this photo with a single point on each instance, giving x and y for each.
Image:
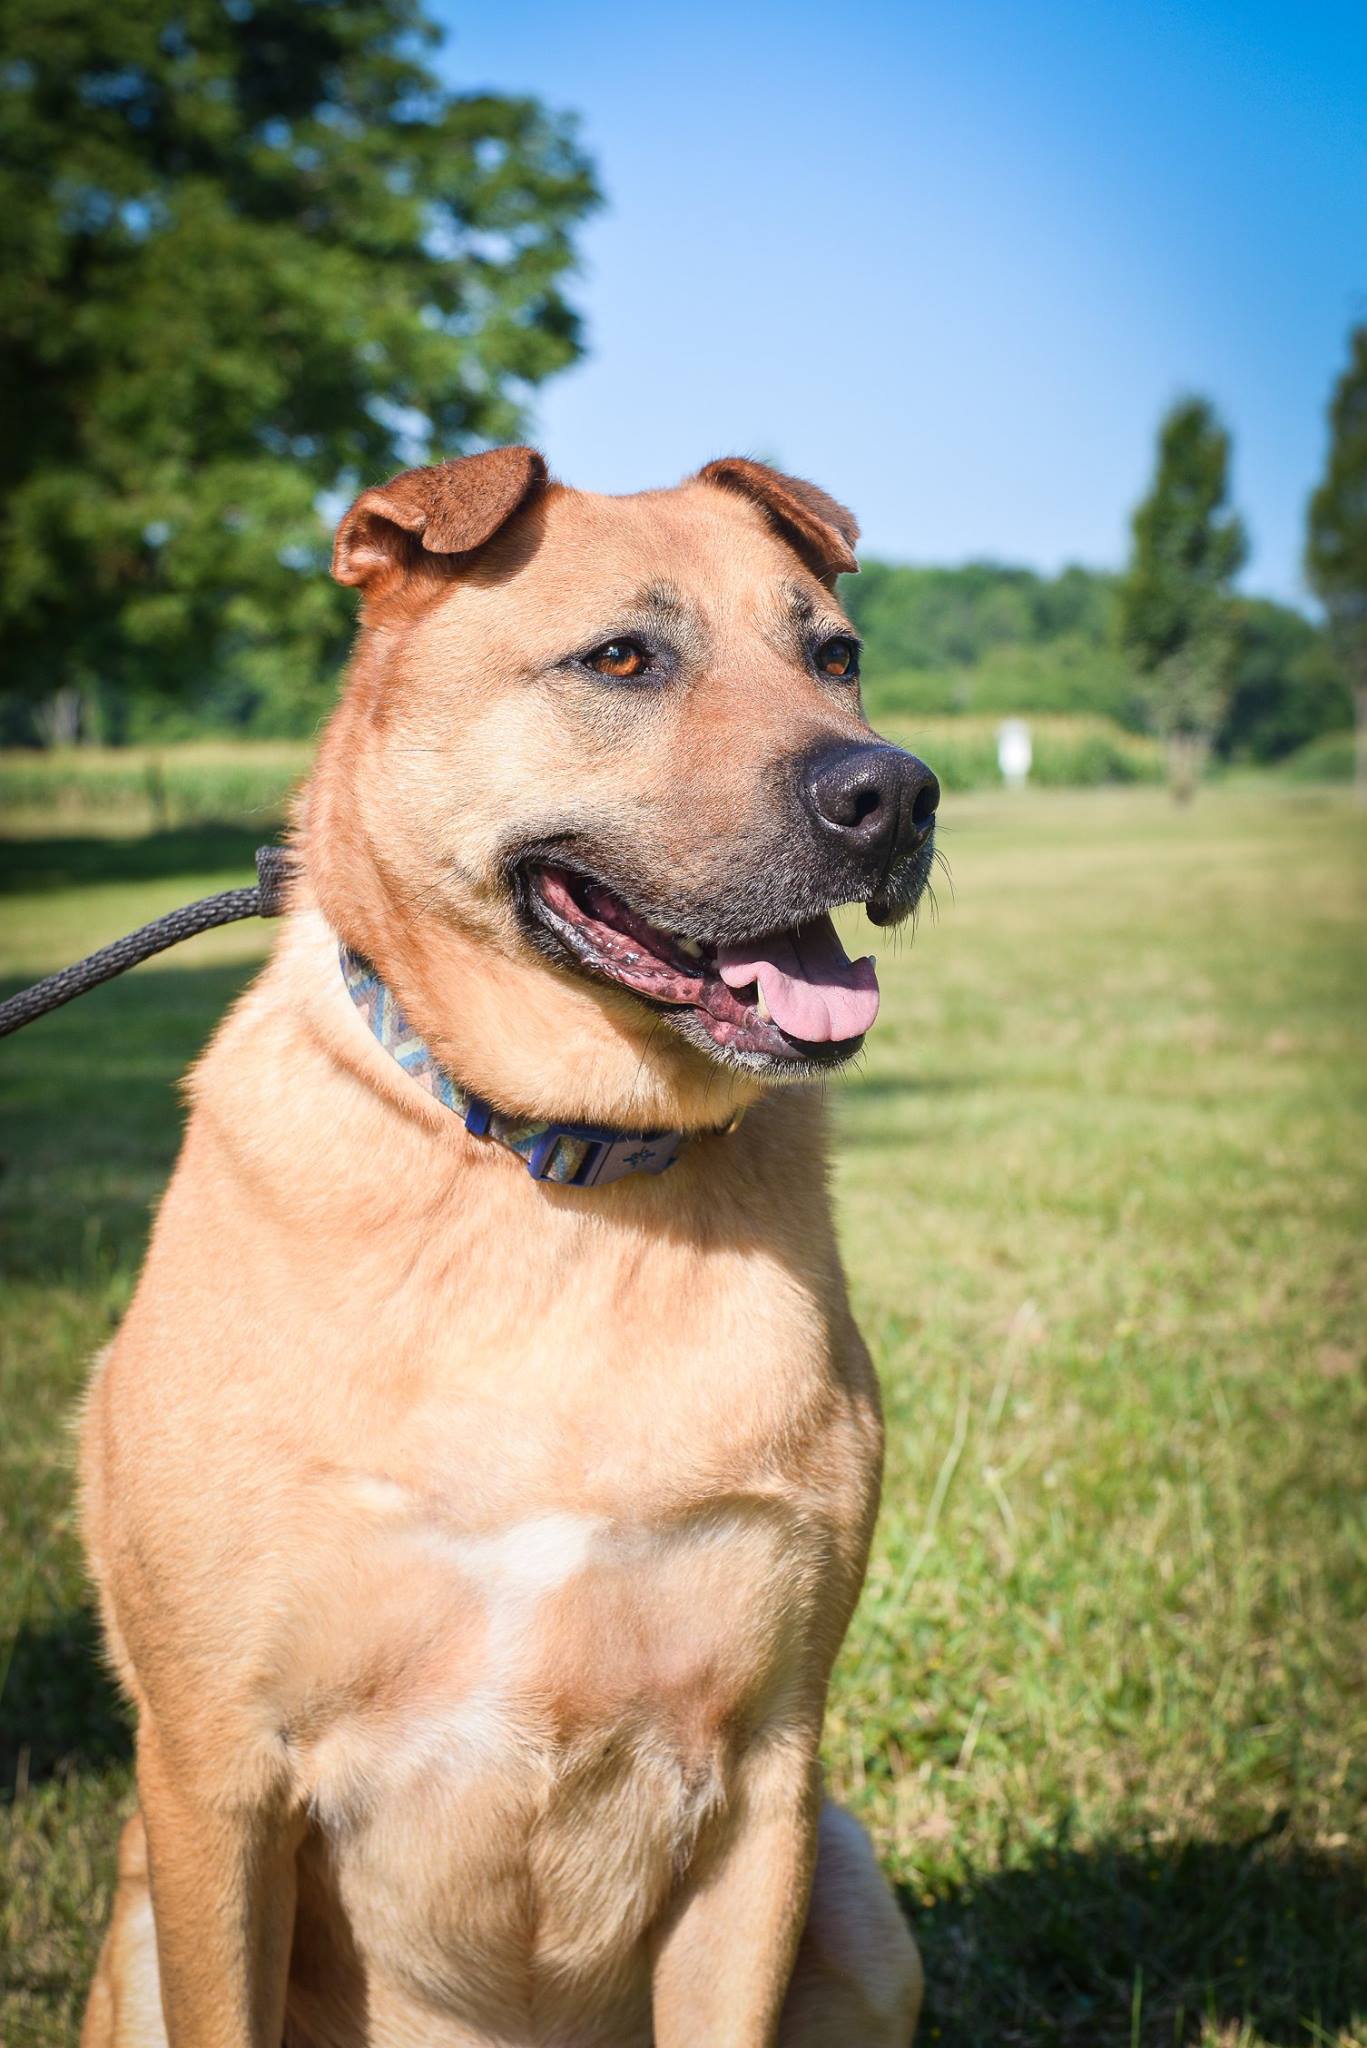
(621, 658)
(838, 657)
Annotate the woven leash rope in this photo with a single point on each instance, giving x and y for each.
(266, 899)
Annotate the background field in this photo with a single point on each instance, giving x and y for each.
(1101, 1190)
(149, 788)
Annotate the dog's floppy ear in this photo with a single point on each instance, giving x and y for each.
(447, 510)
(822, 531)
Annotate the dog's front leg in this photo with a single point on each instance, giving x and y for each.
(223, 1893)
(723, 1967)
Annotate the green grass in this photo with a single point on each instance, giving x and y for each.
(1101, 1190)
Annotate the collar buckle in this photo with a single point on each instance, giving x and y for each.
(576, 1155)
(609, 1159)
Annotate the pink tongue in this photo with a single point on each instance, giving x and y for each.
(812, 987)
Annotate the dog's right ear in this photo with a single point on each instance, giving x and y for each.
(449, 510)
(822, 531)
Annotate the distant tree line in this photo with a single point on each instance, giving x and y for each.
(989, 638)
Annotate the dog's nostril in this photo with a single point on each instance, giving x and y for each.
(876, 798)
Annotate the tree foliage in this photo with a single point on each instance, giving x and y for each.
(254, 256)
(1174, 613)
(1285, 687)
(1336, 549)
(1336, 543)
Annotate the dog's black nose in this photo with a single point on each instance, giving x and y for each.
(874, 799)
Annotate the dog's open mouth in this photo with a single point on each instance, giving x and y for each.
(792, 994)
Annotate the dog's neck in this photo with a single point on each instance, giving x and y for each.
(566, 1154)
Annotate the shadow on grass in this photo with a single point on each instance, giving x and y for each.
(907, 1087)
(59, 1708)
(63, 863)
(1127, 1946)
(92, 1116)
(884, 1115)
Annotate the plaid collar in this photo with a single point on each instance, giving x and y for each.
(571, 1155)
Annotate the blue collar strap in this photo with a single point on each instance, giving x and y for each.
(571, 1155)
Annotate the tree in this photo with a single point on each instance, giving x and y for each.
(254, 257)
(1174, 611)
(1336, 545)
(1285, 688)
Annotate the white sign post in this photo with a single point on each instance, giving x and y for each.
(1014, 752)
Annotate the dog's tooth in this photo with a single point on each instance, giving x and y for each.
(761, 1005)
(691, 947)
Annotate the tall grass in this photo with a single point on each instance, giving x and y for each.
(139, 789)
(1328, 758)
(150, 788)
(1069, 752)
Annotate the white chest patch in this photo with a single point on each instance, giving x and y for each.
(525, 1560)
(472, 1604)
(513, 1655)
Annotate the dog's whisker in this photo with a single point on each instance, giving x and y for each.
(640, 1068)
(942, 863)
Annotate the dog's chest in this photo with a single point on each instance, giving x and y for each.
(577, 1575)
(540, 1720)
(528, 1651)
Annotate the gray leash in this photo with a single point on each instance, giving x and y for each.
(273, 869)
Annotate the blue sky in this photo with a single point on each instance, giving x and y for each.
(952, 260)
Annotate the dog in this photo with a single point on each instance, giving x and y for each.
(481, 1482)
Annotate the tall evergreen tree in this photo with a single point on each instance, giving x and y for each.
(1173, 607)
(253, 255)
(1336, 545)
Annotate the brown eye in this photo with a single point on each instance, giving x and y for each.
(621, 658)
(838, 657)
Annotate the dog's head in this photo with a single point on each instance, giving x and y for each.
(606, 759)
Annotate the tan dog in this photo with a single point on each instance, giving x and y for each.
(476, 1547)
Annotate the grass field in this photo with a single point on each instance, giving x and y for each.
(1101, 1184)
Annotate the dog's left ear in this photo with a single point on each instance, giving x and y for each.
(822, 531)
(448, 510)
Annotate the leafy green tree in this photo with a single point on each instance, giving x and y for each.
(1336, 547)
(1285, 686)
(1174, 612)
(254, 256)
